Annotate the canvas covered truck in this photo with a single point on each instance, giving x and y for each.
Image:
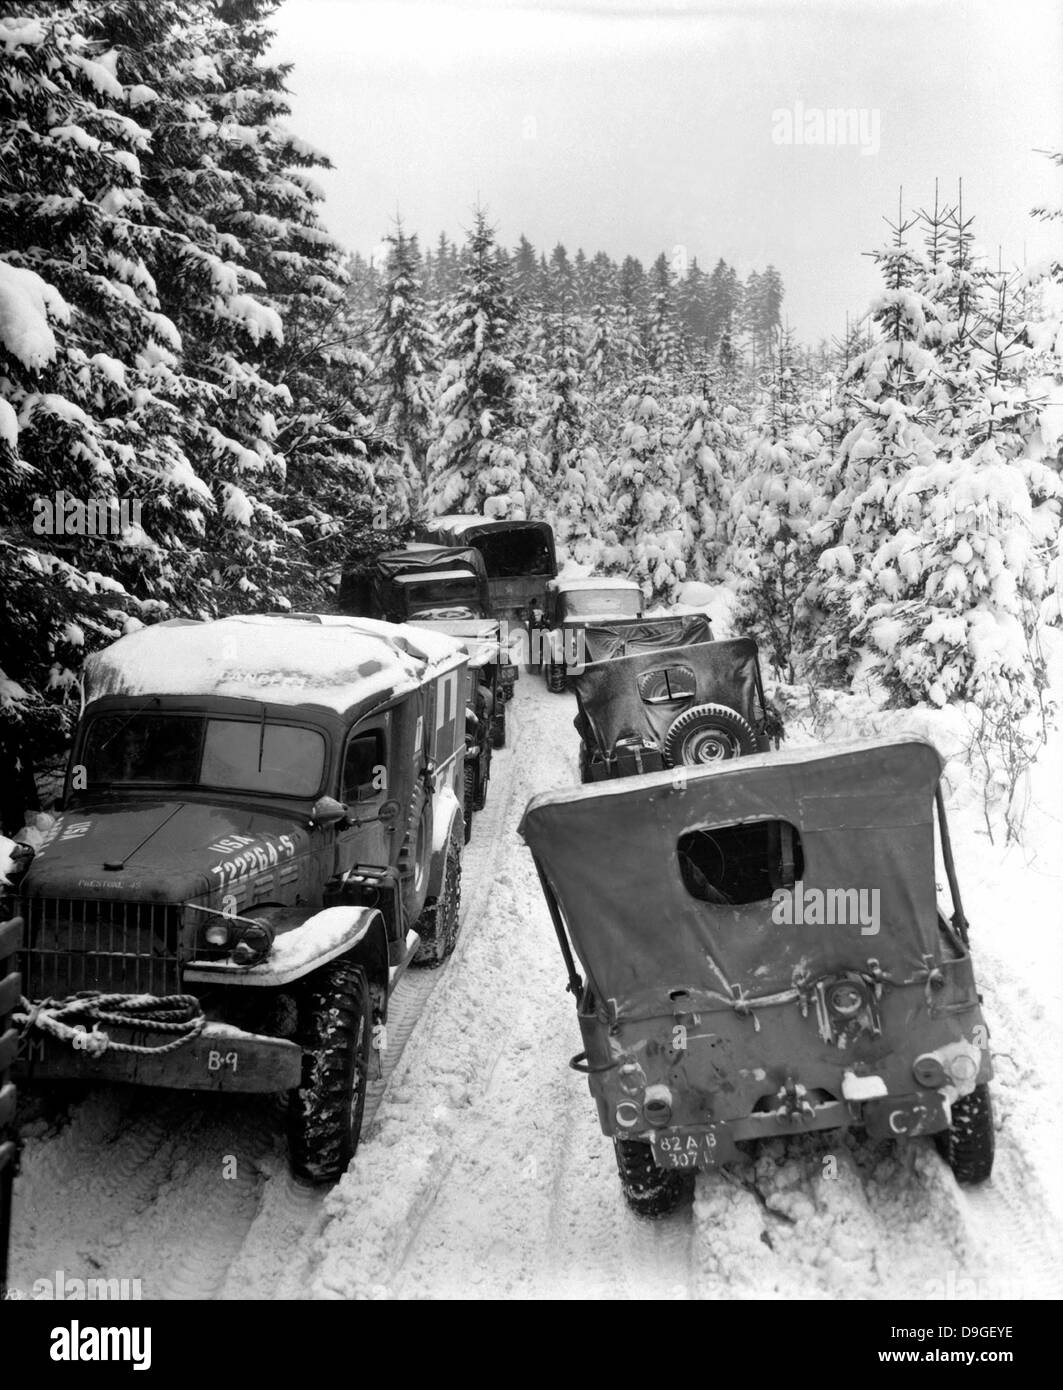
(419, 581)
(658, 707)
(519, 556)
(485, 704)
(756, 949)
(261, 828)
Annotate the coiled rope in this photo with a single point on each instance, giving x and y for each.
(67, 1019)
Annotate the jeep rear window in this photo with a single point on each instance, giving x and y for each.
(667, 685)
(186, 750)
(740, 863)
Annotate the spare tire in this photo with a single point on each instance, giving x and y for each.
(708, 734)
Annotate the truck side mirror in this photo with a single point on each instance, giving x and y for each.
(326, 810)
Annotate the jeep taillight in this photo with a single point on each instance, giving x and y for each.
(845, 999)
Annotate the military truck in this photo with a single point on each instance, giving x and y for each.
(419, 581)
(261, 828)
(485, 708)
(660, 707)
(571, 607)
(519, 556)
(763, 955)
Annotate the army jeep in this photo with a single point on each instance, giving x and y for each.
(572, 606)
(658, 707)
(764, 955)
(261, 828)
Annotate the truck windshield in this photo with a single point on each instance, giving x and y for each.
(190, 750)
(613, 603)
(442, 593)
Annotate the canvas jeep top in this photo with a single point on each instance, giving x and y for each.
(519, 557)
(261, 816)
(716, 1006)
(661, 706)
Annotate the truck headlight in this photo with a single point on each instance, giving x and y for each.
(217, 934)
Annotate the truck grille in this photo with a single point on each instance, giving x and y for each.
(72, 944)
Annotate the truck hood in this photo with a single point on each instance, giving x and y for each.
(160, 850)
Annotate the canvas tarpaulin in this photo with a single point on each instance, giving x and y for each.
(864, 814)
(604, 642)
(724, 673)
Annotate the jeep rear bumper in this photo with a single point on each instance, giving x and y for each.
(709, 1146)
(221, 1058)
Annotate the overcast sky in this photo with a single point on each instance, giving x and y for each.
(636, 127)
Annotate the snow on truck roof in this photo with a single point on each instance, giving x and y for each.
(457, 525)
(609, 581)
(341, 663)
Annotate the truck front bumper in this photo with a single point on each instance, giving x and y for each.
(221, 1058)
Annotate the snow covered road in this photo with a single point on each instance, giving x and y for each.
(482, 1172)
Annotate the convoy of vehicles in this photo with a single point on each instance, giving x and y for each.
(263, 822)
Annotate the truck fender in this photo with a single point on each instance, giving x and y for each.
(332, 932)
(447, 819)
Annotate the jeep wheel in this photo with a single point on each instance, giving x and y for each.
(707, 734)
(468, 803)
(438, 926)
(649, 1190)
(498, 728)
(555, 679)
(336, 1032)
(968, 1144)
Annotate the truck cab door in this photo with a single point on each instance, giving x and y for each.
(364, 789)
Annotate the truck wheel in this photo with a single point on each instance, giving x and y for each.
(707, 734)
(336, 1032)
(438, 926)
(483, 776)
(555, 679)
(498, 728)
(649, 1190)
(968, 1144)
(469, 799)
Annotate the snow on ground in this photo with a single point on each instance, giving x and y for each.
(482, 1171)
